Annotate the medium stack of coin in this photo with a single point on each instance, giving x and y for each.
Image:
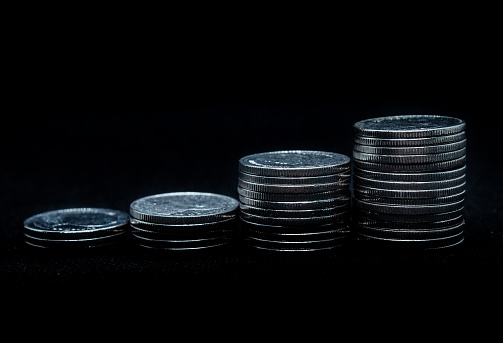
(296, 200)
(183, 220)
(75, 227)
(409, 180)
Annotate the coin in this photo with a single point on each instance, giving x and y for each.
(73, 243)
(312, 180)
(287, 229)
(409, 126)
(329, 219)
(420, 201)
(295, 205)
(408, 209)
(288, 163)
(410, 177)
(295, 213)
(420, 167)
(416, 150)
(293, 197)
(419, 218)
(409, 142)
(436, 243)
(412, 234)
(409, 185)
(292, 189)
(409, 159)
(184, 208)
(408, 194)
(183, 229)
(180, 245)
(385, 224)
(76, 223)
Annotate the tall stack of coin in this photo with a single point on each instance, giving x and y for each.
(295, 200)
(75, 228)
(183, 220)
(409, 180)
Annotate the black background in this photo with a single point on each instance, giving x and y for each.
(102, 119)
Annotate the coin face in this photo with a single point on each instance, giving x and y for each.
(409, 126)
(75, 223)
(184, 208)
(294, 163)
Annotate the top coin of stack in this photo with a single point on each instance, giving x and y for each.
(409, 179)
(294, 200)
(183, 220)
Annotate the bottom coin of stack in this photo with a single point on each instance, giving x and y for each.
(409, 180)
(75, 228)
(294, 200)
(184, 220)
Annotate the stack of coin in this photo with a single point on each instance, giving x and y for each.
(409, 180)
(183, 220)
(295, 200)
(75, 227)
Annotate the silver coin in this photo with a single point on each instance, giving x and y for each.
(184, 208)
(408, 185)
(184, 229)
(181, 246)
(420, 167)
(330, 219)
(437, 243)
(73, 243)
(305, 248)
(384, 224)
(302, 163)
(408, 210)
(409, 218)
(417, 150)
(409, 159)
(295, 213)
(293, 197)
(312, 180)
(409, 126)
(76, 223)
(407, 194)
(411, 177)
(412, 234)
(412, 202)
(410, 142)
(292, 189)
(340, 223)
(294, 235)
(296, 205)
(221, 232)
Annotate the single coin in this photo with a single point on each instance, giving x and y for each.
(183, 229)
(417, 150)
(419, 167)
(312, 180)
(76, 223)
(292, 189)
(383, 224)
(289, 163)
(330, 219)
(139, 232)
(409, 159)
(181, 245)
(408, 210)
(411, 177)
(409, 218)
(411, 234)
(339, 223)
(320, 232)
(73, 243)
(410, 142)
(412, 202)
(296, 205)
(295, 213)
(427, 244)
(184, 208)
(408, 185)
(294, 196)
(407, 194)
(409, 126)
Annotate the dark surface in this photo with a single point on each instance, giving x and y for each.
(103, 132)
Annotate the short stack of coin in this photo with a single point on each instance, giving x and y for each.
(184, 220)
(296, 200)
(409, 180)
(76, 228)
